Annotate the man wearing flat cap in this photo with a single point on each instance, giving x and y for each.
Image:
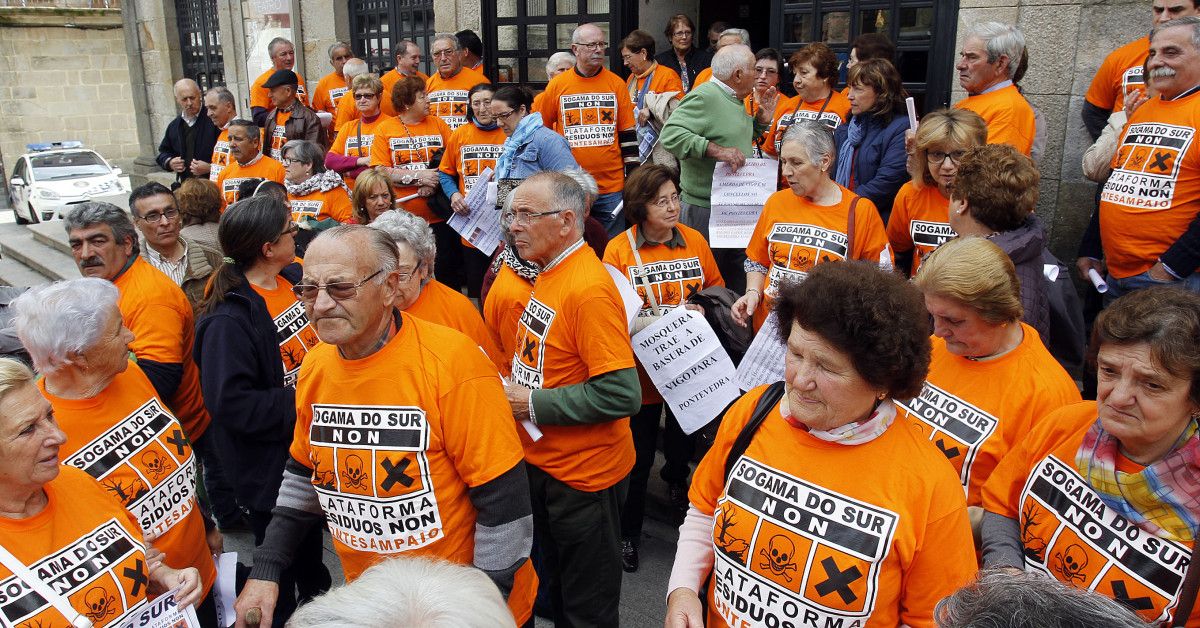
(290, 119)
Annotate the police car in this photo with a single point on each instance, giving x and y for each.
(53, 176)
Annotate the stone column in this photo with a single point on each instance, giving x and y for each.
(154, 66)
(322, 22)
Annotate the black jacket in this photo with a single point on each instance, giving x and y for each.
(172, 144)
(696, 60)
(241, 378)
(302, 125)
(1024, 246)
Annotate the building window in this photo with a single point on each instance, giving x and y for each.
(923, 61)
(200, 42)
(378, 25)
(520, 35)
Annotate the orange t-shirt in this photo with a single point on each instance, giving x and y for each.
(295, 334)
(675, 274)
(1120, 74)
(793, 234)
(702, 77)
(346, 111)
(832, 112)
(815, 533)
(278, 136)
(333, 204)
(220, 156)
(590, 112)
(263, 167)
(389, 80)
(976, 411)
(1008, 115)
(920, 220)
(1151, 196)
(426, 421)
(1069, 534)
(161, 319)
(470, 150)
(574, 328)
(442, 305)
(448, 96)
(351, 140)
(261, 96)
(85, 546)
(662, 81)
(409, 147)
(330, 90)
(506, 299)
(127, 439)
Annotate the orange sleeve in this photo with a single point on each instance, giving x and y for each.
(487, 446)
(452, 155)
(339, 143)
(160, 332)
(871, 243)
(702, 77)
(549, 105)
(756, 250)
(712, 274)
(709, 479)
(338, 205)
(601, 319)
(625, 119)
(320, 100)
(259, 96)
(945, 560)
(1104, 88)
(897, 226)
(300, 449)
(443, 129)
(277, 172)
(380, 153)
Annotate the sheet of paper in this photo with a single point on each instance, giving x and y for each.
(629, 296)
(163, 613)
(481, 224)
(763, 362)
(749, 185)
(688, 366)
(225, 588)
(730, 227)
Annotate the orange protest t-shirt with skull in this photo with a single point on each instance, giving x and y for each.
(469, 151)
(809, 532)
(220, 156)
(263, 167)
(354, 139)
(792, 235)
(442, 305)
(574, 328)
(409, 147)
(85, 546)
(261, 96)
(278, 137)
(127, 439)
(590, 112)
(1067, 531)
(448, 96)
(330, 90)
(1119, 74)
(920, 222)
(427, 420)
(502, 309)
(975, 411)
(674, 273)
(318, 205)
(296, 335)
(833, 112)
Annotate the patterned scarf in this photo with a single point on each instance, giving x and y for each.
(1162, 499)
(521, 136)
(508, 257)
(855, 433)
(845, 158)
(323, 182)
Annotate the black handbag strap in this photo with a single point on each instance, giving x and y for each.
(1190, 588)
(766, 402)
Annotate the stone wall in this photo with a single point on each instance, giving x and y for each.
(65, 83)
(1067, 41)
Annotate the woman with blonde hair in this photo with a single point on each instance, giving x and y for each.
(372, 196)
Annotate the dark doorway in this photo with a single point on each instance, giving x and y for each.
(378, 25)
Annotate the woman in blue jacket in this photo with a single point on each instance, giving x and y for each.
(251, 337)
(871, 158)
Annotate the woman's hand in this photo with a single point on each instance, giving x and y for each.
(458, 203)
(643, 116)
(164, 578)
(425, 191)
(427, 178)
(363, 162)
(743, 309)
(216, 541)
(767, 101)
(1133, 100)
(684, 610)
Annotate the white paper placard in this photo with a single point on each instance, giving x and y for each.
(225, 588)
(163, 613)
(481, 224)
(730, 227)
(629, 296)
(751, 184)
(763, 362)
(688, 365)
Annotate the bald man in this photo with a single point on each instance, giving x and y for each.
(190, 137)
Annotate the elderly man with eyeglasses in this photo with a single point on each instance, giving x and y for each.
(448, 88)
(403, 441)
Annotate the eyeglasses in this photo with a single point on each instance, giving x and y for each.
(766, 70)
(938, 156)
(504, 116)
(682, 34)
(291, 229)
(441, 53)
(365, 96)
(405, 276)
(338, 290)
(287, 162)
(593, 46)
(155, 217)
(666, 201)
(524, 218)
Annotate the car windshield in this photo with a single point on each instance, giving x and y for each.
(59, 166)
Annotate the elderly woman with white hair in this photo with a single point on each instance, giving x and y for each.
(419, 294)
(117, 428)
(314, 191)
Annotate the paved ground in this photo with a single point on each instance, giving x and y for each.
(642, 593)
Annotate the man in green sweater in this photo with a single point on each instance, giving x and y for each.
(711, 125)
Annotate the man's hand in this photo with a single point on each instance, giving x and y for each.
(175, 164)
(518, 400)
(1158, 272)
(458, 203)
(1134, 99)
(1084, 264)
(200, 168)
(425, 191)
(427, 178)
(257, 594)
(643, 116)
(684, 610)
(187, 579)
(729, 155)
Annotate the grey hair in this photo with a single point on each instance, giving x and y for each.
(91, 213)
(1189, 20)
(1001, 39)
(223, 95)
(446, 37)
(186, 82)
(340, 44)
(377, 241)
(1002, 599)
(557, 58)
(412, 230)
(575, 38)
(740, 32)
(276, 42)
(57, 320)
(354, 67)
(565, 193)
(410, 592)
(305, 152)
(730, 59)
(814, 137)
(588, 184)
